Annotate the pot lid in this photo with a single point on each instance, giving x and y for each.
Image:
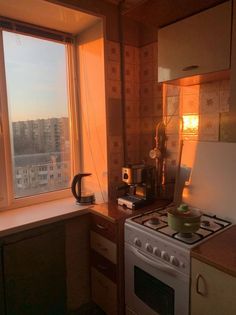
(185, 211)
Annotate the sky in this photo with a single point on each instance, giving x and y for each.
(36, 77)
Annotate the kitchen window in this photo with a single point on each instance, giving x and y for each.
(37, 128)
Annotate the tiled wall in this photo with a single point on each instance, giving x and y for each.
(142, 107)
(208, 101)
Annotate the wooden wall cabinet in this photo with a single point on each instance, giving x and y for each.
(106, 265)
(212, 291)
(196, 45)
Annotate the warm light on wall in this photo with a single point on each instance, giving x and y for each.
(190, 124)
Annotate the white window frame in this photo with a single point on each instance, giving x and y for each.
(7, 200)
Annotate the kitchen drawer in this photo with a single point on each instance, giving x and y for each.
(103, 227)
(103, 265)
(104, 292)
(103, 246)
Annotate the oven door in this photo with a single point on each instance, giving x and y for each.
(153, 287)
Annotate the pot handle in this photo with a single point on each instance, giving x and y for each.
(188, 224)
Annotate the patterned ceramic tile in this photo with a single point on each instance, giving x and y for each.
(172, 143)
(113, 70)
(227, 127)
(129, 73)
(129, 54)
(146, 90)
(172, 105)
(192, 89)
(116, 161)
(132, 108)
(172, 90)
(190, 104)
(172, 125)
(225, 85)
(113, 89)
(146, 73)
(146, 107)
(209, 127)
(147, 53)
(157, 106)
(136, 73)
(115, 144)
(209, 102)
(137, 55)
(224, 101)
(147, 126)
(132, 126)
(210, 87)
(130, 91)
(147, 142)
(158, 89)
(133, 157)
(113, 51)
(132, 143)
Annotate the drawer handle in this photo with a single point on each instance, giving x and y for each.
(101, 227)
(102, 247)
(189, 68)
(101, 267)
(198, 278)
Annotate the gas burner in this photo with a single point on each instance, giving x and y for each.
(188, 238)
(152, 222)
(205, 223)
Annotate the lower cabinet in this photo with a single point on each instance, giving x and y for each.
(34, 272)
(107, 265)
(212, 291)
(2, 311)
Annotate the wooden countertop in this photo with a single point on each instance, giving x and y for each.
(114, 212)
(219, 251)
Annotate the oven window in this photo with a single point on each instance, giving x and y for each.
(154, 293)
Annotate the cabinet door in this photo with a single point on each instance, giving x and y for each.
(2, 311)
(212, 291)
(196, 45)
(34, 272)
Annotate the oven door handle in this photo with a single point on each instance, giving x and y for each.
(153, 263)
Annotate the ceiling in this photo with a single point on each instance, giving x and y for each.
(159, 13)
(46, 14)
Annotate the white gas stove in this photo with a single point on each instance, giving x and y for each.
(157, 261)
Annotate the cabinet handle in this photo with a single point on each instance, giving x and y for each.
(101, 227)
(189, 68)
(105, 249)
(198, 277)
(101, 267)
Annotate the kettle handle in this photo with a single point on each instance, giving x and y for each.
(77, 179)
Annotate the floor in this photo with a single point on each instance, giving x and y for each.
(88, 309)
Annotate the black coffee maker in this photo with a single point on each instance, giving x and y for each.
(82, 198)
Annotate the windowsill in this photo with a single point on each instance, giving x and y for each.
(17, 220)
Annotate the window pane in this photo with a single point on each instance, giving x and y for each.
(38, 114)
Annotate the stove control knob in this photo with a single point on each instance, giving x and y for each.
(174, 261)
(156, 251)
(137, 242)
(165, 256)
(149, 248)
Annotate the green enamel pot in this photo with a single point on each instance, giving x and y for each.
(184, 219)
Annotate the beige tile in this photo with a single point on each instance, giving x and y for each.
(129, 54)
(136, 73)
(146, 90)
(132, 143)
(147, 125)
(147, 72)
(113, 51)
(224, 101)
(146, 107)
(192, 89)
(130, 93)
(210, 87)
(190, 104)
(209, 102)
(225, 85)
(132, 126)
(129, 73)
(227, 127)
(209, 127)
(172, 143)
(115, 144)
(133, 157)
(157, 106)
(172, 90)
(132, 109)
(172, 105)
(157, 89)
(146, 53)
(116, 161)
(113, 70)
(113, 89)
(172, 125)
